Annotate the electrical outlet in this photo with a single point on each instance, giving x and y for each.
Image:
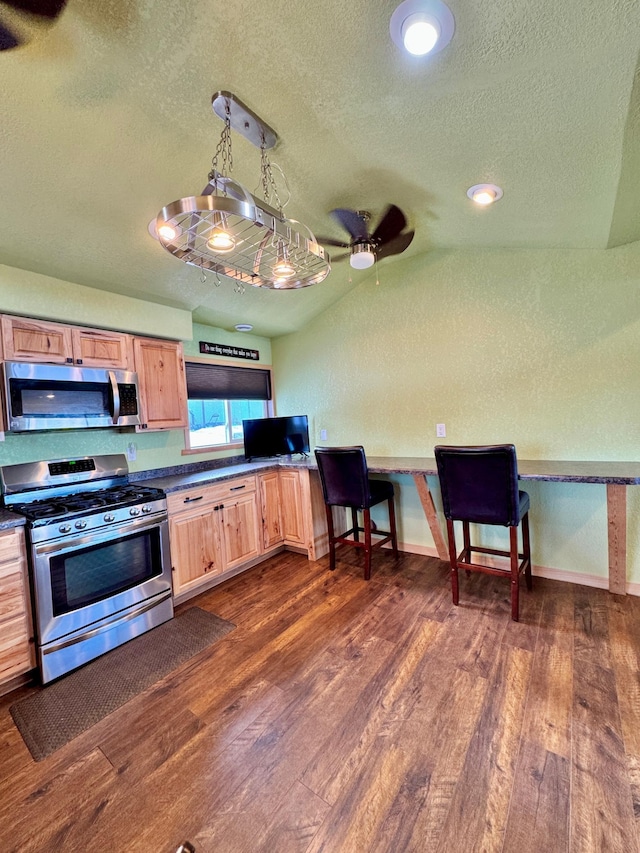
(441, 432)
(323, 435)
(1, 436)
(132, 452)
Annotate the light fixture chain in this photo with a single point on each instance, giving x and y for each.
(224, 151)
(268, 181)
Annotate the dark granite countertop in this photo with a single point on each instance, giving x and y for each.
(177, 482)
(10, 519)
(621, 473)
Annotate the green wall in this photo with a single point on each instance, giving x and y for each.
(535, 348)
(34, 295)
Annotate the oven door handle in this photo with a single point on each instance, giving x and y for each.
(71, 641)
(115, 414)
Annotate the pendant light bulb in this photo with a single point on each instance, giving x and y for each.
(166, 232)
(220, 241)
(283, 269)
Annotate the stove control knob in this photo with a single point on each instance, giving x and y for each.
(109, 517)
(146, 508)
(65, 528)
(80, 525)
(134, 510)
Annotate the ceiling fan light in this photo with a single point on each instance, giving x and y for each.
(362, 259)
(420, 34)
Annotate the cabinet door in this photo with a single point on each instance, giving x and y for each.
(195, 547)
(97, 348)
(270, 506)
(17, 651)
(240, 530)
(293, 514)
(36, 340)
(161, 377)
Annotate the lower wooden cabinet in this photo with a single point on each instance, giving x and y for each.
(294, 508)
(217, 530)
(270, 505)
(212, 530)
(17, 650)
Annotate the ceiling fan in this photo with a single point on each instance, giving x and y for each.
(21, 19)
(388, 238)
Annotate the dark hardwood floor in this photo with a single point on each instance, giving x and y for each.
(344, 716)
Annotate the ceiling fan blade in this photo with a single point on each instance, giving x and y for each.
(395, 246)
(391, 224)
(7, 39)
(352, 222)
(44, 8)
(329, 241)
(19, 22)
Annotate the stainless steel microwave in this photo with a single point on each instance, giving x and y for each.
(51, 396)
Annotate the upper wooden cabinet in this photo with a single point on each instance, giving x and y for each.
(55, 343)
(97, 348)
(161, 380)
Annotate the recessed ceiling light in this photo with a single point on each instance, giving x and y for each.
(484, 194)
(422, 26)
(243, 327)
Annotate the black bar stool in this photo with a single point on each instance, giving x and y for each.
(480, 485)
(345, 482)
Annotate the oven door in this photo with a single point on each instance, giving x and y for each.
(86, 583)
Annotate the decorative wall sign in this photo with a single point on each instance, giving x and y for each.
(231, 352)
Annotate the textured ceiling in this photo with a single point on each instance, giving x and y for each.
(106, 117)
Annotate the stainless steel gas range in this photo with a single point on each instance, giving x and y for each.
(99, 556)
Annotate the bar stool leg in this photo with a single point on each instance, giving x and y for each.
(367, 543)
(515, 574)
(453, 559)
(354, 523)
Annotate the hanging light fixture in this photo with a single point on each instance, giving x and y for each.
(229, 231)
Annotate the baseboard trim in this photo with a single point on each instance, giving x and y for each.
(538, 571)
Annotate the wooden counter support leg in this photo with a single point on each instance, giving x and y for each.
(617, 529)
(426, 499)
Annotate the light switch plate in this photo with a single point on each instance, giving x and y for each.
(440, 430)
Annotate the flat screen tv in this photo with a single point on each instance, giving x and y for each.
(264, 437)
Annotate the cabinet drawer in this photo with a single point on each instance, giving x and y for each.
(191, 498)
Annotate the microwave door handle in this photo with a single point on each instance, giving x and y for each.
(115, 414)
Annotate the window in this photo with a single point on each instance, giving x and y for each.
(220, 397)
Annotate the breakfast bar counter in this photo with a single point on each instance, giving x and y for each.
(616, 476)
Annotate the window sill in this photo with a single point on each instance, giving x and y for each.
(190, 451)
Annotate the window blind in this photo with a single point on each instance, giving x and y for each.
(223, 382)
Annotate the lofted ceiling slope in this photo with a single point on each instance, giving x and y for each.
(106, 117)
